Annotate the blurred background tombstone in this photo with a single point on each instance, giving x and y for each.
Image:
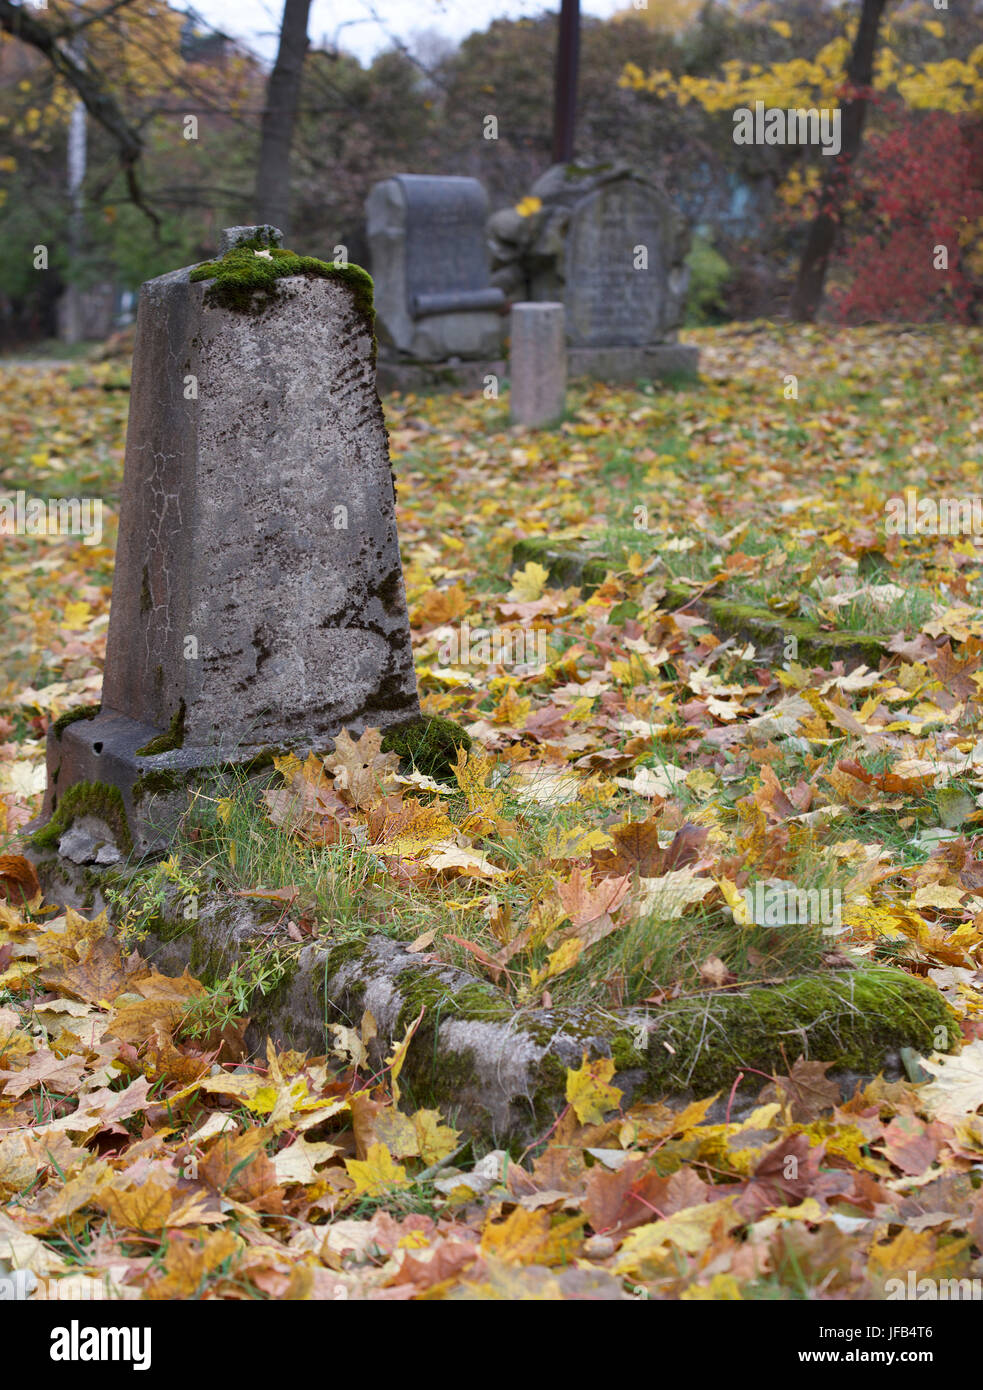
(611, 247)
(439, 318)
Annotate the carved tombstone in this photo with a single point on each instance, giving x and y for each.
(610, 247)
(434, 299)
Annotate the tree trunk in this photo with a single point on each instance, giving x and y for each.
(282, 97)
(565, 88)
(822, 233)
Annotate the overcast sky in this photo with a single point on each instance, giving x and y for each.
(350, 22)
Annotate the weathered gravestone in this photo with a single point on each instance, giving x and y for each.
(85, 313)
(258, 597)
(611, 248)
(537, 364)
(436, 307)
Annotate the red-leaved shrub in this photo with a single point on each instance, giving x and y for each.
(917, 187)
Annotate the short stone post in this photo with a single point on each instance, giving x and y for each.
(537, 364)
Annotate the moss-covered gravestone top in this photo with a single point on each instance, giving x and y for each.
(258, 597)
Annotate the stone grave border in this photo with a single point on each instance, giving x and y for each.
(578, 564)
(499, 1073)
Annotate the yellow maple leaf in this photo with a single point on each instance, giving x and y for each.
(376, 1174)
(77, 614)
(299, 1161)
(565, 956)
(187, 1264)
(529, 1237)
(395, 1062)
(908, 1250)
(143, 1208)
(722, 1287)
(691, 1231)
(511, 709)
(945, 897)
(574, 842)
(528, 583)
(436, 1140)
(23, 778)
(424, 830)
(282, 1099)
(589, 1091)
(469, 863)
(734, 899)
(874, 921)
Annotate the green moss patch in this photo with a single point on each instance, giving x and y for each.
(167, 742)
(505, 1069)
(72, 716)
(851, 1019)
(428, 745)
(245, 280)
(99, 799)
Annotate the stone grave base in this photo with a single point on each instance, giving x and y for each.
(135, 779)
(105, 766)
(617, 364)
(426, 377)
(501, 1074)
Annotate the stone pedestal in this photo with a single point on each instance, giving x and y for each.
(537, 364)
(258, 600)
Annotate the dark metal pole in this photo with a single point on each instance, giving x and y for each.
(565, 98)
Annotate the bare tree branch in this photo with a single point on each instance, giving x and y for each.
(56, 47)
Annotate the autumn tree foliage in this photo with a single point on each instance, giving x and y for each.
(919, 201)
(873, 216)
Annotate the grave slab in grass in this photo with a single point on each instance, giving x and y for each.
(584, 564)
(500, 1074)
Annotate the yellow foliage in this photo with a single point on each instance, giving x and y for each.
(951, 85)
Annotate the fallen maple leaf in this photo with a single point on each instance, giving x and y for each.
(806, 1090)
(659, 781)
(362, 772)
(589, 1090)
(377, 1173)
(469, 863)
(668, 896)
(958, 1088)
(397, 1059)
(585, 902)
(529, 583)
(19, 881)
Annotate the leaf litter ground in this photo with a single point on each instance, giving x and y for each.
(632, 771)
